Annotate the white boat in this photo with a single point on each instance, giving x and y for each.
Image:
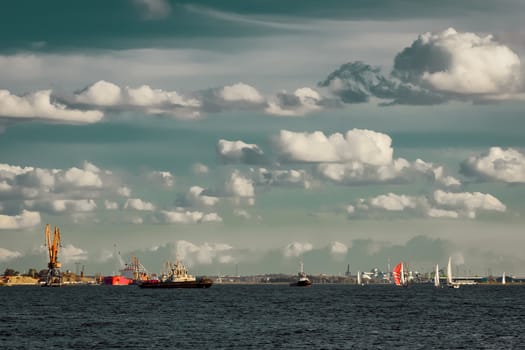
(450, 281)
(437, 283)
(359, 282)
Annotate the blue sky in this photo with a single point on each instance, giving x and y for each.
(254, 134)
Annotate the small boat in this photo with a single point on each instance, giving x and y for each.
(303, 280)
(450, 281)
(399, 274)
(437, 283)
(177, 277)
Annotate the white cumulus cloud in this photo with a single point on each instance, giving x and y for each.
(241, 92)
(188, 217)
(470, 202)
(240, 186)
(41, 105)
(364, 146)
(206, 253)
(507, 165)
(6, 254)
(139, 204)
(473, 64)
(338, 248)
(296, 249)
(239, 151)
(153, 101)
(394, 202)
(70, 253)
(26, 219)
(196, 196)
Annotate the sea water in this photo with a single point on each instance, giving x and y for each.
(263, 317)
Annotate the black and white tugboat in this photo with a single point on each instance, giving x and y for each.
(303, 280)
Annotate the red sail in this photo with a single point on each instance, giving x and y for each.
(396, 272)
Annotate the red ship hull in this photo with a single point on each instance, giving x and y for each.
(117, 281)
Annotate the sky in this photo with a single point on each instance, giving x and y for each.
(246, 136)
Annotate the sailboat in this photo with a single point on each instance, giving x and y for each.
(437, 283)
(450, 282)
(503, 279)
(359, 282)
(399, 275)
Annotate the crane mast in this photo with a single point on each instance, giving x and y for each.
(54, 276)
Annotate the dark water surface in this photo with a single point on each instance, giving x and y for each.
(263, 317)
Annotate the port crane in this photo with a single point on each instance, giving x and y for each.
(54, 276)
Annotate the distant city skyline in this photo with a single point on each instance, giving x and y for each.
(259, 134)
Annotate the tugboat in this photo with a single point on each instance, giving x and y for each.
(303, 280)
(177, 277)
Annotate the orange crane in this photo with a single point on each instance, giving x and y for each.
(54, 276)
(53, 247)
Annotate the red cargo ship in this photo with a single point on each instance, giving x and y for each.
(117, 281)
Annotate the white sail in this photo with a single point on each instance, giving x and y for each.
(449, 272)
(403, 277)
(436, 277)
(359, 277)
(503, 280)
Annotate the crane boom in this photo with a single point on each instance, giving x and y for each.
(52, 247)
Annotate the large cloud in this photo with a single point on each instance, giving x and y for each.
(239, 152)
(206, 253)
(358, 157)
(440, 204)
(468, 202)
(239, 186)
(365, 146)
(460, 63)
(394, 202)
(41, 105)
(355, 172)
(6, 254)
(338, 248)
(188, 217)
(296, 249)
(70, 253)
(507, 165)
(237, 96)
(26, 219)
(436, 68)
(31, 182)
(139, 204)
(154, 101)
(241, 92)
